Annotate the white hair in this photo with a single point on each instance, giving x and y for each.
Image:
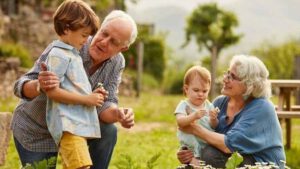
(121, 14)
(253, 72)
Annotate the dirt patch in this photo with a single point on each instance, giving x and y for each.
(149, 126)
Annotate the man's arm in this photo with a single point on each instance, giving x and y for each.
(26, 86)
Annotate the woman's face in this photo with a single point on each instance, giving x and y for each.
(232, 84)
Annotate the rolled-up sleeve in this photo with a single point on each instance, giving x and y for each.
(255, 131)
(113, 73)
(32, 74)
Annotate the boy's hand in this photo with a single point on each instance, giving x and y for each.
(101, 91)
(94, 99)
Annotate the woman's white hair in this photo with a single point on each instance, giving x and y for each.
(121, 14)
(253, 72)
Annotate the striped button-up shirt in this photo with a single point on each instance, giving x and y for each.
(29, 118)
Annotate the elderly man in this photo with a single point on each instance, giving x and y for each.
(103, 62)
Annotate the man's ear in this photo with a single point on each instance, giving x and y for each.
(124, 48)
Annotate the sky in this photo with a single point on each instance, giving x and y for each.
(275, 21)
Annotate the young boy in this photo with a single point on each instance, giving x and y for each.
(71, 112)
(195, 108)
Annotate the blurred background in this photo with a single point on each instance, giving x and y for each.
(173, 35)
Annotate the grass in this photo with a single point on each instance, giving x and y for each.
(154, 133)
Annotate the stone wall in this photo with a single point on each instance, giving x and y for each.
(9, 72)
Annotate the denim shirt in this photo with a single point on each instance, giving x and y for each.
(64, 60)
(254, 130)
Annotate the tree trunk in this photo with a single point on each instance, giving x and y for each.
(214, 56)
(297, 76)
(140, 54)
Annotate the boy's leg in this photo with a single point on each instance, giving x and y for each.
(74, 151)
(30, 157)
(101, 149)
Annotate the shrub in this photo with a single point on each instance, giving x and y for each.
(16, 50)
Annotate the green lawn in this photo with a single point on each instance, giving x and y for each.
(154, 134)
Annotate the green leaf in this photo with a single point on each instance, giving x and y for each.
(234, 161)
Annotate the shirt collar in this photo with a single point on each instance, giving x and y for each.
(61, 44)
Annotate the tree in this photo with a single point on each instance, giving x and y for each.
(154, 61)
(212, 29)
(280, 58)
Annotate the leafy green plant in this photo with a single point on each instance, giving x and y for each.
(235, 160)
(16, 50)
(44, 164)
(127, 162)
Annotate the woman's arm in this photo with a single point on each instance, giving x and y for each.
(215, 139)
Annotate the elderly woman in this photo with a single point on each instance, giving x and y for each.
(247, 119)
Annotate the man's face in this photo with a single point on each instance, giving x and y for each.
(111, 39)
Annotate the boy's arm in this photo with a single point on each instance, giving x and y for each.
(64, 96)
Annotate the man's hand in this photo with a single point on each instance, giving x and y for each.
(48, 80)
(126, 117)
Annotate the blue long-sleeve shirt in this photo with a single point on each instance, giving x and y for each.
(254, 130)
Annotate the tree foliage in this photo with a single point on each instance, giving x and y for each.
(154, 61)
(212, 29)
(279, 59)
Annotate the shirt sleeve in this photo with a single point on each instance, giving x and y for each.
(255, 130)
(32, 74)
(57, 64)
(180, 109)
(112, 81)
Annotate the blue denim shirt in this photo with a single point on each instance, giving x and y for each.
(254, 130)
(64, 60)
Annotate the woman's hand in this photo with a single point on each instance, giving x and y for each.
(190, 128)
(185, 156)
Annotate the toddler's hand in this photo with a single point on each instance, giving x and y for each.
(213, 114)
(199, 114)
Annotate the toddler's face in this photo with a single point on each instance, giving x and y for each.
(197, 91)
